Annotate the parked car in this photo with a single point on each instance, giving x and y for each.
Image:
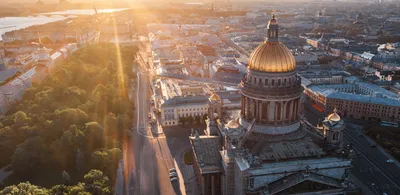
(372, 145)
(172, 170)
(174, 179)
(389, 161)
(173, 174)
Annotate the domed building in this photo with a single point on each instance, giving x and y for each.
(270, 148)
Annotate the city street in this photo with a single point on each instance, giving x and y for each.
(147, 158)
(370, 167)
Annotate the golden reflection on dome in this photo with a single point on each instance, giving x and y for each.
(215, 97)
(272, 57)
(334, 116)
(233, 124)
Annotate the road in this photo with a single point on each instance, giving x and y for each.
(370, 167)
(147, 158)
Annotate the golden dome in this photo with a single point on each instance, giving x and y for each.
(334, 117)
(233, 124)
(215, 97)
(272, 57)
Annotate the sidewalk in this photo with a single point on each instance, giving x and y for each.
(4, 174)
(119, 183)
(188, 183)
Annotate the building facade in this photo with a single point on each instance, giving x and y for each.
(358, 100)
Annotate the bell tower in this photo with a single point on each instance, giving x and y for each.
(214, 113)
(332, 129)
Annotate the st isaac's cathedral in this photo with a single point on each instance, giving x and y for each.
(270, 148)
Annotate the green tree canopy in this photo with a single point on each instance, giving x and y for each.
(29, 155)
(24, 188)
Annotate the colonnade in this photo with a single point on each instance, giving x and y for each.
(271, 112)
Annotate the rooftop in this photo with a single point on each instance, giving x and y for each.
(364, 98)
(206, 150)
(289, 150)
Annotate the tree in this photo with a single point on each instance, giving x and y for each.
(66, 177)
(20, 117)
(94, 137)
(24, 188)
(29, 155)
(65, 148)
(197, 118)
(97, 183)
(71, 116)
(46, 40)
(106, 160)
(182, 120)
(190, 120)
(205, 116)
(80, 107)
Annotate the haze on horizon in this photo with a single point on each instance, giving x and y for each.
(143, 1)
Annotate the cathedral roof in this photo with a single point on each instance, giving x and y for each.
(206, 152)
(272, 55)
(297, 178)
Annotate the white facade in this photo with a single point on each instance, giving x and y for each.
(170, 115)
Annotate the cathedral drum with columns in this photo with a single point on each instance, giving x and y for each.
(271, 89)
(270, 148)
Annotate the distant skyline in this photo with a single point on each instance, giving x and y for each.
(5, 2)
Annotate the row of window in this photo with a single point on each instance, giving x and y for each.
(362, 105)
(169, 123)
(190, 109)
(185, 110)
(191, 114)
(278, 82)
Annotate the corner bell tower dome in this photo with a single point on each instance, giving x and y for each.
(272, 55)
(334, 117)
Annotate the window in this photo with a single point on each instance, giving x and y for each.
(266, 81)
(273, 82)
(251, 182)
(335, 136)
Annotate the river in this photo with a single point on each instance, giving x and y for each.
(8, 24)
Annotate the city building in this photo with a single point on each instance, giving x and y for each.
(189, 55)
(178, 99)
(269, 148)
(321, 76)
(356, 99)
